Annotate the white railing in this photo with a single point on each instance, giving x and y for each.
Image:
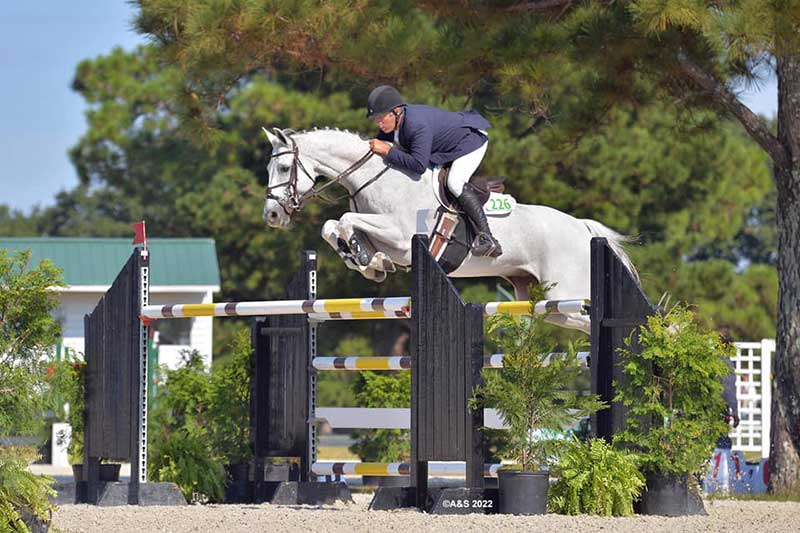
(753, 363)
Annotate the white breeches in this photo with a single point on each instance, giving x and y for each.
(464, 167)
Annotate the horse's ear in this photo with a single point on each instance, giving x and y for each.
(283, 135)
(274, 140)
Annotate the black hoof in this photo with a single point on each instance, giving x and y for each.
(364, 258)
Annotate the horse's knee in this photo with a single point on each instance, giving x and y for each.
(330, 231)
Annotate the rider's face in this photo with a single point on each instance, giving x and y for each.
(387, 123)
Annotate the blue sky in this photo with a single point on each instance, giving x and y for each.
(41, 43)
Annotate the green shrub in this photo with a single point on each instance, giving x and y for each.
(674, 392)
(531, 391)
(178, 435)
(184, 458)
(66, 387)
(21, 491)
(383, 389)
(229, 403)
(595, 478)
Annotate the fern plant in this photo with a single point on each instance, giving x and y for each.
(185, 459)
(595, 478)
(21, 492)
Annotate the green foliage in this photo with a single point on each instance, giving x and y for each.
(22, 492)
(674, 392)
(66, 387)
(595, 478)
(184, 458)
(337, 389)
(529, 392)
(200, 420)
(27, 333)
(178, 426)
(229, 403)
(383, 389)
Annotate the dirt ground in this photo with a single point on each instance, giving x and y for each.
(723, 515)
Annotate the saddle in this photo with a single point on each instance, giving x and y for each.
(452, 236)
(482, 185)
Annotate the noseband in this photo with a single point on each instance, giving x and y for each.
(295, 199)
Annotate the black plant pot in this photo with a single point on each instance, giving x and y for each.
(238, 488)
(669, 495)
(386, 481)
(523, 491)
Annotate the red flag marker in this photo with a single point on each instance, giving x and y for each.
(139, 233)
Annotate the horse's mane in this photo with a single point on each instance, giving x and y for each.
(292, 133)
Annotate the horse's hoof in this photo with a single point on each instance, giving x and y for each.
(379, 277)
(363, 258)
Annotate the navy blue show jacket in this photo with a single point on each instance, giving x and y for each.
(432, 137)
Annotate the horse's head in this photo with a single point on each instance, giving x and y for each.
(289, 179)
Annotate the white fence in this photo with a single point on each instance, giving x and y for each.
(753, 363)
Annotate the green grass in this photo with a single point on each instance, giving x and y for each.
(335, 453)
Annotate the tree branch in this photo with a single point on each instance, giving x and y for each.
(723, 97)
(543, 5)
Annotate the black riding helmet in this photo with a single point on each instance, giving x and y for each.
(383, 99)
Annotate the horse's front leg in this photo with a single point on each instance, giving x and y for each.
(365, 232)
(332, 234)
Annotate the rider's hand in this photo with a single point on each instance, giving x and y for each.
(379, 147)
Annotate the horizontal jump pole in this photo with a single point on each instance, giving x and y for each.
(435, 468)
(544, 307)
(279, 307)
(384, 417)
(359, 315)
(400, 362)
(347, 308)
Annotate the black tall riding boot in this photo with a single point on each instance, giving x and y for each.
(485, 243)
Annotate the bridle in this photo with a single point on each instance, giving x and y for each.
(295, 199)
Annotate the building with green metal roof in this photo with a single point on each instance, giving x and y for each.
(181, 271)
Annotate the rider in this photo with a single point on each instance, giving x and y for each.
(432, 136)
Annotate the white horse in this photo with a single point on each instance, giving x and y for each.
(540, 244)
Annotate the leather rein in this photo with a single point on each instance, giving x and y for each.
(296, 199)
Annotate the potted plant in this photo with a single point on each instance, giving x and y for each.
(532, 397)
(229, 417)
(673, 391)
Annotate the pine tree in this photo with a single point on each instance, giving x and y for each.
(517, 53)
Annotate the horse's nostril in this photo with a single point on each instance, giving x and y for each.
(273, 215)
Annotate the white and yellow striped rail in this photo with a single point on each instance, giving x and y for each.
(544, 307)
(435, 469)
(347, 308)
(360, 315)
(363, 307)
(402, 362)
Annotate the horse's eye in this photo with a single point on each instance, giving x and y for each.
(284, 168)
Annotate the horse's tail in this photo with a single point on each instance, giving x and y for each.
(615, 241)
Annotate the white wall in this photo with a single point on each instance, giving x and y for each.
(74, 305)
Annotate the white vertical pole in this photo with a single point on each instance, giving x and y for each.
(144, 291)
(767, 351)
(312, 376)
